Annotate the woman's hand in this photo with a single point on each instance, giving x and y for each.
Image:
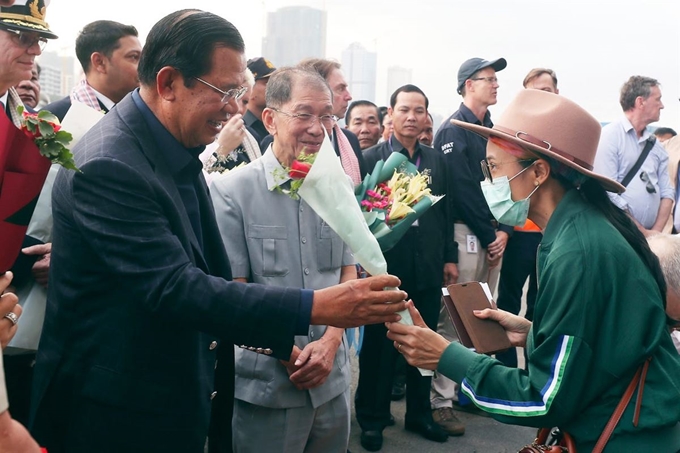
(421, 346)
(8, 303)
(516, 327)
(232, 135)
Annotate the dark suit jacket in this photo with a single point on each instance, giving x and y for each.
(60, 107)
(353, 140)
(126, 361)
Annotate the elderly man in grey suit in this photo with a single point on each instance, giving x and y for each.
(301, 404)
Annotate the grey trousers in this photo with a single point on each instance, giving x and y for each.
(258, 429)
(472, 267)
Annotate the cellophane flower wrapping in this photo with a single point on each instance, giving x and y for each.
(329, 191)
(393, 197)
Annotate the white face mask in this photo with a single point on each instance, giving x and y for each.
(499, 198)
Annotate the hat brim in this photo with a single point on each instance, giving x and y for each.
(15, 24)
(608, 184)
(498, 65)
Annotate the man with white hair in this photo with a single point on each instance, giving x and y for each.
(667, 248)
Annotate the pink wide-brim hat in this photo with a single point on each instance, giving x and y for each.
(551, 125)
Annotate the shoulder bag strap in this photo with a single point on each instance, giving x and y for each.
(639, 377)
(649, 143)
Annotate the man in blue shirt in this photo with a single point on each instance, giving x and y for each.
(649, 194)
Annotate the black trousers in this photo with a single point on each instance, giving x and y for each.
(519, 262)
(376, 370)
(18, 378)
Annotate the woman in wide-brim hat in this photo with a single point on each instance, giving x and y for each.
(599, 313)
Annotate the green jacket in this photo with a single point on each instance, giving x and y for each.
(599, 314)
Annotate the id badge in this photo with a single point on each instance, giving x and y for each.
(471, 243)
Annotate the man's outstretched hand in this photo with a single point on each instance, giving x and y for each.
(359, 302)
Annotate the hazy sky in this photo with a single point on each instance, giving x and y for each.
(594, 46)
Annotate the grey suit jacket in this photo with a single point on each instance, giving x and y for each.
(275, 240)
(135, 306)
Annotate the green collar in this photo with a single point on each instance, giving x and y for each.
(571, 204)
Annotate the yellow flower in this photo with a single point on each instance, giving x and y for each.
(399, 210)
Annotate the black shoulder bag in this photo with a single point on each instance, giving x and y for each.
(649, 144)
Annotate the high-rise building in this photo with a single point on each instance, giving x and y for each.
(57, 75)
(359, 67)
(294, 33)
(397, 77)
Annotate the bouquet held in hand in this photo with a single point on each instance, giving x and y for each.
(26, 154)
(393, 197)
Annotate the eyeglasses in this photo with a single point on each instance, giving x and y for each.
(487, 167)
(26, 39)
(488, 79)
(308, 119)
(236, 93)
(648, 184)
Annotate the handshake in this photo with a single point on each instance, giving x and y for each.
(359, 302)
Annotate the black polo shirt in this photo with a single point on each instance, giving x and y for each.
(418, 258)
(463, 151)
(256, 125)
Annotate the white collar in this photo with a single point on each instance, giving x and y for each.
(108, 103)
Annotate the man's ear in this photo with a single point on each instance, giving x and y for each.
(168, 80)
(268, 120)
(98, 62)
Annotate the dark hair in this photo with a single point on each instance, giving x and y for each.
(594, 193)
(348, 115)
(408, 89)
(280, 85)
(382, 110)
(321, 65)
(101, 36)
(664, 131)
(636, 86)
(186, 40)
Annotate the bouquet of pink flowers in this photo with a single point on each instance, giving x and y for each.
(393, 197)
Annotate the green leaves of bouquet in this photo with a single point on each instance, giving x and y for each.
(45, 130)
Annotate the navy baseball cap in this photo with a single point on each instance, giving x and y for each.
(469, 67)
(260, 67)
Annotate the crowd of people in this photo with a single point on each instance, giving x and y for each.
(177, 299)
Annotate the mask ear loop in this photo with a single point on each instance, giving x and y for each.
(522, 171)
(535, 189)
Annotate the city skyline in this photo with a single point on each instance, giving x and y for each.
(590, 45)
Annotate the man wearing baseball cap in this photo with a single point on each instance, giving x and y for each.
(261, 69)
(23, 35)
(481, 241)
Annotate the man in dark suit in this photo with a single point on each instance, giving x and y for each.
(139, 292)
(109, 53)
(424, 259)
